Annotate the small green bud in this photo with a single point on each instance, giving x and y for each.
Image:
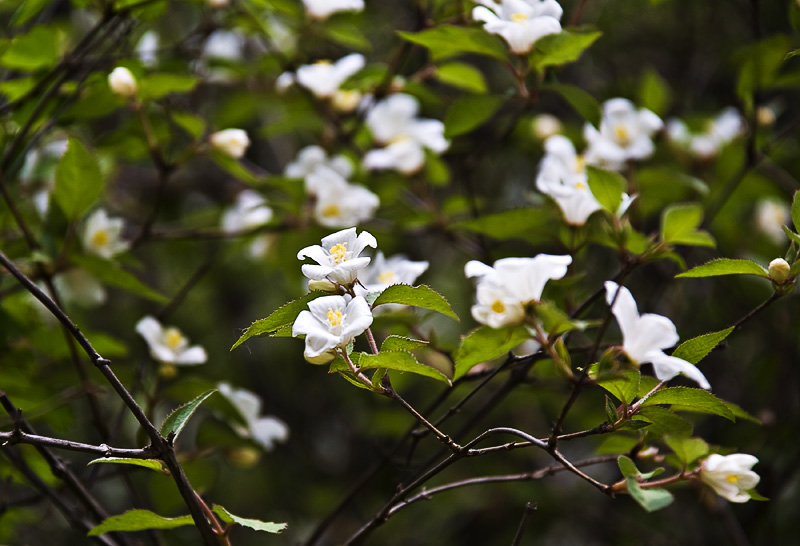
(323, 285)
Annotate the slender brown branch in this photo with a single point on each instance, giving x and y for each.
(19, 437)
(530, 508)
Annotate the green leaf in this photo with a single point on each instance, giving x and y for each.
(110, 273)
(32, 51)
(155, 86)
(560, 49)
(624, 387)
(607, 187)
(694, 350)
(176, 420)
(688, 450)
(281, 317)
(16, 88)
(448, 41)
(461, 75)
(689, 399)
(486, 343)
(556, 321)
(583, 103)
(469, 112)
(194, 125)
(256, 524)
(27, 10)
(611, 411)
(796, 211)
(346, 34)
(418, 296)
(79, 182)
(726, 266)
(152, 464)
(627, 466)
(679, 226)
(400, 343)
(654, 93)
(617, 443)
(400, 361)
(739, 413)
(663, 421)
(138, 520)
(515, 223)
(650, 499)
(233, 167)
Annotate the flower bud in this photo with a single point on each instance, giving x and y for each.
(122, 82)
(232, 142)
(244, 457)
(218, 3)
(323, 285)
(323, 358)
(765, 116)
(545, 126)
(779, 270)
(346, 100)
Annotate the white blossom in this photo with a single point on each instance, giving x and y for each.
(383, 272)
(147, 49)
(217, 4)
(338, 257)
(103, 235)
(321, 9)
(224, 44)
(624, 135)
(644, 337)
(770, 217)
(706, 144)
(312, 158)
(169, 345)
(520, 22)
(122, 82)
(250, 211)
(265, 431)
(324, 78)
(331, 322)
(79, 287)
(339, 203)
(232, 142)
(730, 475)
(546, 125)
(394, 122)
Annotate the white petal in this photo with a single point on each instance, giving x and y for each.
(666, 367)
(192, 355)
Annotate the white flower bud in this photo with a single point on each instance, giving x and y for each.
(779, 270)
(323, 285)
(232, 142)
(545, 126)
(122, 82)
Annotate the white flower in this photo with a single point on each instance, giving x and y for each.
(338, 203)
(331, 322)
(383, 272)
(504, 290)
(644, 337)
(312, 158)
(394, 121)
(545, 125)
(730, 475)
(168, 345)
(122, 82)
(103, 235)
(324, 78)
(705, 145)
(624, 135)
(284, 81)
(519, 22)
(147, 48)
(223, 44)
(265, 431)
(218, 3)
(232, 142)
(562, 176)
(338, 256)
(249, 211)
(770, 217)
(321, 9)
(79, 287)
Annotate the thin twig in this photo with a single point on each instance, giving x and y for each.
(530, 508)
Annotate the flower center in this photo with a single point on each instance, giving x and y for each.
(339, 252)
(386, 277)
(323, 62)
(174, 339)
(100, 238)
(580, 164)
(498, 307)
(335, 317)
(580, 186)
(399, 138)
(622, 134)
(332, 211)
(732, 478)
(519, 17)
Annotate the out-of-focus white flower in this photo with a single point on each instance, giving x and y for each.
(562, 176)
(770, 217)
(705, 145)
(103, 235)
(321, 9)
(384, 272)
(324, 78)
(169, 345)
(644, 337)
(331, 322)
(730, 475)
(284, 81)
(313, 158)
(218, 3)
(232, 142)
(39, 171)
(339, 203)
(394, 121)
(520, 22)
(546, 125)
(80, 288)
(122, 82)
(147, 48)
(249, 211)
(338, 257)
(265, 431)
(624, 135)
(224, 44)
(504, 290)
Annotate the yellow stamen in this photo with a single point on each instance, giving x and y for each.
(331, 211)
(732, 478)
(580, 164)
(339, 252)
(323, 62)
(100, 238)
(519, 17)
(386, 277)
(622, 135)
(174, 339)
(335, 317)
(580, 186)
(498, 307)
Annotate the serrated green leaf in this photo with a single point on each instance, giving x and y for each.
(694, 350)
(663, 421)
(688, 450)
(689, 399)
(725, 266)
(796, 211)
(679, 226)
(280, 318)
(739, 413)
(611, 411)
(627, 466)
(581, 101)
(446, 41)
(400, 343)
(256, 524)
(138, 520)
(152, 464)
(176, 420)
(32, 51)
(624, 386)
(418, 296)
(560, 49)
(155, 86)
(110, 273)
(555, 321)
(650, 499)
(461, 75)
(607, 187)
(79, 182)
(525, 224)
(470, 112)
(400, 361)
(486, 343)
